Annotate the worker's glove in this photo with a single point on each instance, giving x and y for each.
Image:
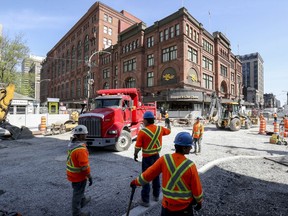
(198, 207)
(90, 181)
(136, 157)
(133, 183)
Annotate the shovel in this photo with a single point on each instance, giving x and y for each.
(131, 198)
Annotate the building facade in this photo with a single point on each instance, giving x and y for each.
(175, 62)
(31, 69)
(253, 78)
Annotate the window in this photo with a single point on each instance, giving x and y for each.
(67, 61)
(223, 70)
(105, 17)
(191, 33)
(166, 32)
(86, 49)
(110, 31)
(73, 59)
(130, 82)
(110, 19)
(150, 41)
(106, 73)
(207, 46)
(115, 84)
(192, 55)
(78, 88)
(187, 30)
(150, 79)
(207, 63)
(169, 53)
(161, 36)
(232, 89)
(116, 70)
(177, 29)
(150, 60)
(105, 29)
(129, 65)
(79, 53)
(106, 85)
(233, 77)
(208, 81)
(196, 36)
(172, 32)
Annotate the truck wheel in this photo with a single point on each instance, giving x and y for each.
(235, 124)
(248, 124)
(124, 141)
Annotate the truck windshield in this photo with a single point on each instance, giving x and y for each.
(102, 103)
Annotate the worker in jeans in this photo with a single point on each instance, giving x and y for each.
(78, 169)
(181, 184)
(149, 139)
(197, 133)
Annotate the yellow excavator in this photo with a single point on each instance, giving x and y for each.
(227, 115)
(6, 96)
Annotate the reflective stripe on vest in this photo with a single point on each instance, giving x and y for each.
(141, 180)
(69, 164)
(197, 133)
(176, 179)
(154, 140)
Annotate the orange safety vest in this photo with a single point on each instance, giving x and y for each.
(198, 130)
(150, 139)
(77, 164)
(180, 181)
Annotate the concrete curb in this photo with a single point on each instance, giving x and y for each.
(140, 210)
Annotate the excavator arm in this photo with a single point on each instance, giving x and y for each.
(6, 96)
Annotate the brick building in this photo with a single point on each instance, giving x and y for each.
(175, 62)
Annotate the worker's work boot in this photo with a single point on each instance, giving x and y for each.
(142, 203)
(85, 201)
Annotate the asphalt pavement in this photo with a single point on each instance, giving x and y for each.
(33, 180)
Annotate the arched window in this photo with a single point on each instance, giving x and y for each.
(130, 82)
(106, 85)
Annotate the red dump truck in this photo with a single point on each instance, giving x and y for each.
(115, 118)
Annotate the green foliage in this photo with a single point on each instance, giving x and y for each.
(12, 53)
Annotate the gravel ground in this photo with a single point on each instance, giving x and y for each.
(33, 182)
(243, 187)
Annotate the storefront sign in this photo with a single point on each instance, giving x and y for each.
(19, 102)
(184, 97)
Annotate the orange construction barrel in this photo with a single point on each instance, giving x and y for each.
(262, 128)
(43, 124)
(286, 124)
(276, 127)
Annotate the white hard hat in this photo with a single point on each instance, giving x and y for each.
(80, 129)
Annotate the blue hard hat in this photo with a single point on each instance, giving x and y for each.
(148, 115)
(183, 139)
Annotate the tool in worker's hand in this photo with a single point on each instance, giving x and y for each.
(131, 198)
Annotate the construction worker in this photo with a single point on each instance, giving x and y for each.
(181, 184)
(149, 139)
(197, 133)
(167, 120)
(78, 169)
(275, 117)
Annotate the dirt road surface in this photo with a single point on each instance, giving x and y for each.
(33, 179)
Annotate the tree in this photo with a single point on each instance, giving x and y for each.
(12, 53)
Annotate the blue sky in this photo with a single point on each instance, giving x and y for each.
(250, 25)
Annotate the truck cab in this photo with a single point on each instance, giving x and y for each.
(115, 118)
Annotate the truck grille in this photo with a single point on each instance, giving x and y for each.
(93, 125)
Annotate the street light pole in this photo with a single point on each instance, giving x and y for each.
(90, 81)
